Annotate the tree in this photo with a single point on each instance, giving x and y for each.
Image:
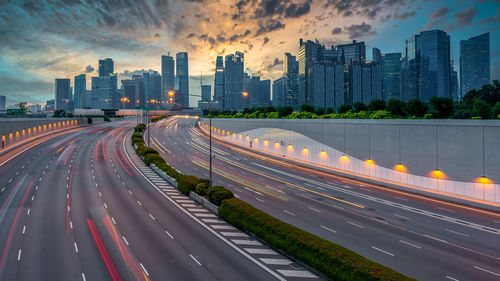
(481, 109)
(307, 107)
(496, 110)
(319, 111)
(269, 109)
(441, 107)
(359, 106)
(375, 105)
(416, 107)
(396, 107)
(329, 110)
(285, 111)
(344, 108)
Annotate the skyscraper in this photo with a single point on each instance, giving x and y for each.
(434, 51)
(233, 81)
(290, 72)
(206, 92)
(426, 70)
(454, 89)
(328, 83)
(182, 71)
(80, 89)
(62, 94)
(353, 52)
(474, 63)
(260, 92)
(391, 76)
(167, 74)
(279, 87)
(2, 103)
(376, 55)
(309, 52)
(106, 67)
(219, 80)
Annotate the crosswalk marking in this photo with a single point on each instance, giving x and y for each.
(276, 261)
(297, 273)
(234, 234)
(260, 251)
(198, 210)
(247, 242)
(213, 221)
(205, 215)
(222, 226)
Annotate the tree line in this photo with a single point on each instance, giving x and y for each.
(483, 103)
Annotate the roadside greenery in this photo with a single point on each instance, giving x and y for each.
(332, 260)
(476, 104)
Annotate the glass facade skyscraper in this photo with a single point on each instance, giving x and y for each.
(290, 72)
(182, 73)
(233, 81)
(391, 76)
(62, 94)
(167, 74)
(474, 63)
(106, 67)
(80, 90)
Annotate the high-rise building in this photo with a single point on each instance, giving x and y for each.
(260, 92)
(434, 51)
(133, 90)
(290, 72)
(279, 88)
(62, 94)
(219, 81)
(354, 52)
(104, 91)
(106, 67)
(153, 89)
(3, 103)
(376, 55)
(309, 52)
(167, 74)
(474, 63)
(206, 92)
(233, 81)
(426, 67)
(365, 83)
(454, 88)
(80, 88)
(182, 72)
(391, 76)
(328, 83)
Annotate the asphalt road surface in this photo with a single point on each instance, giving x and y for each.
(421, 237)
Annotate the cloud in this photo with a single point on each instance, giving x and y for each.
(294, 10)
(405, 15)
(157, 36)
(439, 12)
(336, 30)
(275, 63)
(269, 25)
(495, 18)
(465, 17)
(89, 69)
(359, 30)
(265, 41)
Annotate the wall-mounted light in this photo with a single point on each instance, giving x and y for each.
(277, 144)
(484, 180)
(400, 168)
(305, 150)
(438, 174)
(323, 153)
(344, 157)
(370, 161)
(290, 147)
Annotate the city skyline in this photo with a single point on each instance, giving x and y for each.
(269, 35)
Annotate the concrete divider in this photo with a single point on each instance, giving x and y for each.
(460, 158)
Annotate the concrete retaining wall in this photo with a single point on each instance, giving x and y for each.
(455, 157)
(16, 130)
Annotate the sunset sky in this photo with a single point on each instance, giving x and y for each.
(44, 40)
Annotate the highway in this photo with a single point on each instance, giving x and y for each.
(76, 206)
(421, 237)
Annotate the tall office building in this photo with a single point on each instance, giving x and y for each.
(426, 68)
(328, 83)
(309, 52)
(279, 89)
(206, 92)
(391, 76)
(106, 67)
(376, 55)
(354, 52)
(454, 88)
(182, 71)
(219, 81)
(260, 92)
(474, 63)
(233, 81)
(104, 90)
(153, 89)
(3, 103)
(62, 94)
(133, 90)
(167, 74)
(80, 90)
(290, 72)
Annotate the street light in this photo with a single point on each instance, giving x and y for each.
(124, 100)
(172, 93)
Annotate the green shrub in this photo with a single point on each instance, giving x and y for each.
(187, 183)
(217, 194)
(201, 189)
(140, 128)
(151, 150)
(152, 158)
(136, 135)
(334, 261)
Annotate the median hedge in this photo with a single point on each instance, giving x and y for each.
(216, 194)
(332, 260)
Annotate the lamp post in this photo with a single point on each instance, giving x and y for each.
(124, 100)
(171, 94)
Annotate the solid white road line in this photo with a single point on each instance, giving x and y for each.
(290, 213)
(458, 233)
(195, 259)
(410, 244)
(329, 229)
(485, 270)
(403, 217)
(144, 269)
(355, 224)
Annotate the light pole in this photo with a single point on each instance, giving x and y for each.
(124, 100)
(171, 94)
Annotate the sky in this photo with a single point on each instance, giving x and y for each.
(41, 40)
